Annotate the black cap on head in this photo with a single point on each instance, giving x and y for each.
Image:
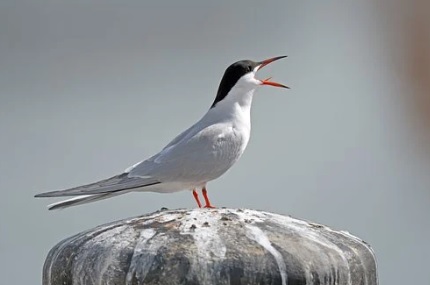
(231, 75)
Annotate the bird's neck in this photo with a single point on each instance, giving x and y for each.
(235, 106)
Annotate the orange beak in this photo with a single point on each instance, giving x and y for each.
(267, 81)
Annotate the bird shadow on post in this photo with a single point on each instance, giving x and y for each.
(211, 246)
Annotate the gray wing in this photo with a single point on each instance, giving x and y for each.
(201, 155)
(152, 165)
(145, 166)
(111, 185)
(82, 199)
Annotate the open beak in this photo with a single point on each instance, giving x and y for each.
(267, 81)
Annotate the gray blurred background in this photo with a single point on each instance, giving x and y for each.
(87, 89)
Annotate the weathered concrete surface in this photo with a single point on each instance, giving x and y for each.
(211, 246)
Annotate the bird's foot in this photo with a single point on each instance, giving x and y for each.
(208, 204)
(196, 197)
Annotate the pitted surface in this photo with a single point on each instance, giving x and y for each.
(211, 246)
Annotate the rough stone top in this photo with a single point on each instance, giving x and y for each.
(211, 246)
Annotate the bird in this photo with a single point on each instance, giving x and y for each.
(200, 154)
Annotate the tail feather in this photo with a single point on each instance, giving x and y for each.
(83, 199)
(118, 183)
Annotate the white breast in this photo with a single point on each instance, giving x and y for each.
(234, 112)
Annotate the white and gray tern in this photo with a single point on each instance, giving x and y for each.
(198, 155)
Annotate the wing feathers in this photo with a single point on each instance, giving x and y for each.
(79, 200)
(111, 185)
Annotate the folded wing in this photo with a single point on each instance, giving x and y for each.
(114, 184)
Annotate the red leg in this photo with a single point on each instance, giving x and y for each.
(205, 195)
(196, 196)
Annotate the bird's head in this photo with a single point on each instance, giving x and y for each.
(241, 74)
(244, 72)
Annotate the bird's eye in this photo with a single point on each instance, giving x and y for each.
(249, 69)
